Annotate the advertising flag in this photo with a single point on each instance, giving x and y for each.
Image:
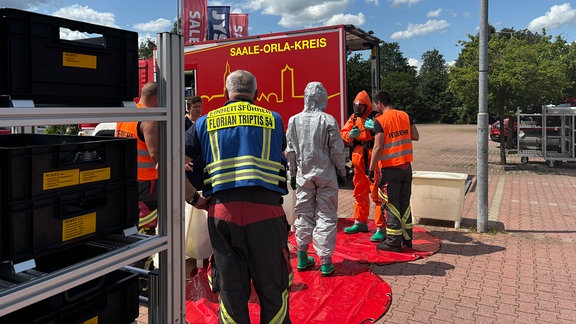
(238, 25)
(194, 20)
(218, 22)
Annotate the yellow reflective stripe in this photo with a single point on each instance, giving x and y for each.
(290, 279)
(382, 196)
(394, 232)
(210, 280)
(224, 316)
(238, 175)
(406, 226)
(281, 315)
(148, 218)
(406, 214)
(266, 139)
(213, 136)
(393, 210)
(245, 160)
(403, 219)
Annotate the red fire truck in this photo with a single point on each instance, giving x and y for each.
(283, 64)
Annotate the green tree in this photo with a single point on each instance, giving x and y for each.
(357, 78)
(399, 79)
(62, 129)
(177, 27)
(524, 70)
(146, 49)
(432, 86)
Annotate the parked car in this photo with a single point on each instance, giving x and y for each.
(495, 131)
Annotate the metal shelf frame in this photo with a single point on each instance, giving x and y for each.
(550, 135)
(169, 242)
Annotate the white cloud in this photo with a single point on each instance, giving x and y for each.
(421, 29)
(398, 3)
(415, 63)
(346, 19)
(30, 5)
(299, 13)
(87, 14)
(434, 13)
(558, 16)
(376, 2)
(143, 38)
(154, 26)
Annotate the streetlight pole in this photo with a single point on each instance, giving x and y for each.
(482, 124)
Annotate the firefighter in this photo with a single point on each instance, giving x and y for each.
(392, 156)
(316, 161)
(242, 146)
(358, 133)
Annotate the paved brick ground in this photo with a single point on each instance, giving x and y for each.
(522, 271)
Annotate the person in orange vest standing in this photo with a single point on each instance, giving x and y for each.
(146, 134)
(391, 162)
(358, 133)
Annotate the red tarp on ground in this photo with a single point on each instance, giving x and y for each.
(352, 295)
(357, 247)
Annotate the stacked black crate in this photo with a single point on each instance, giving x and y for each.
(59, 193)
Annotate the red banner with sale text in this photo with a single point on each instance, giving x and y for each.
(194, 20)
(238, 25)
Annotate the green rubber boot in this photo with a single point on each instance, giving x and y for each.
(356, 228)
(379, 236)
(304, 261)
(328, 269)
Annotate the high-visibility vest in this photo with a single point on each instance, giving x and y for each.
(146, 167)
(232, 161)
(397, 145)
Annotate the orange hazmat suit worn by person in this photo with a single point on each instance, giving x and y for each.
(357, 133)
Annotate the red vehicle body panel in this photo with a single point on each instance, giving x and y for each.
(283, 65)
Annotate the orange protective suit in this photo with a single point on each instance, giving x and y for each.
(364, 190)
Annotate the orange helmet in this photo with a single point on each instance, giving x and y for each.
(362, 104)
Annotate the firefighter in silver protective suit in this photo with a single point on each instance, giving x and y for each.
(316, 161)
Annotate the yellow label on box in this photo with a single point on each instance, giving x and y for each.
(94, 175)
(78, 226)
(93, 320)
(59, 179)
(79, 60)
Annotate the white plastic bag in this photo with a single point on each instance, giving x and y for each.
(289, 204)
(198, 244)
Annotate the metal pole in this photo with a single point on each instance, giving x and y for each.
(171, 176)
(482, 150)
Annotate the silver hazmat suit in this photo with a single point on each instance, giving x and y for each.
(315, 153)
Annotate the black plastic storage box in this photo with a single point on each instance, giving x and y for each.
(57, 190)
(112, 298)
(36, 64)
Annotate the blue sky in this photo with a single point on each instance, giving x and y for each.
(416, 25)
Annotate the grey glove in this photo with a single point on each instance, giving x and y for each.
(354, 132)
(293, 183)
